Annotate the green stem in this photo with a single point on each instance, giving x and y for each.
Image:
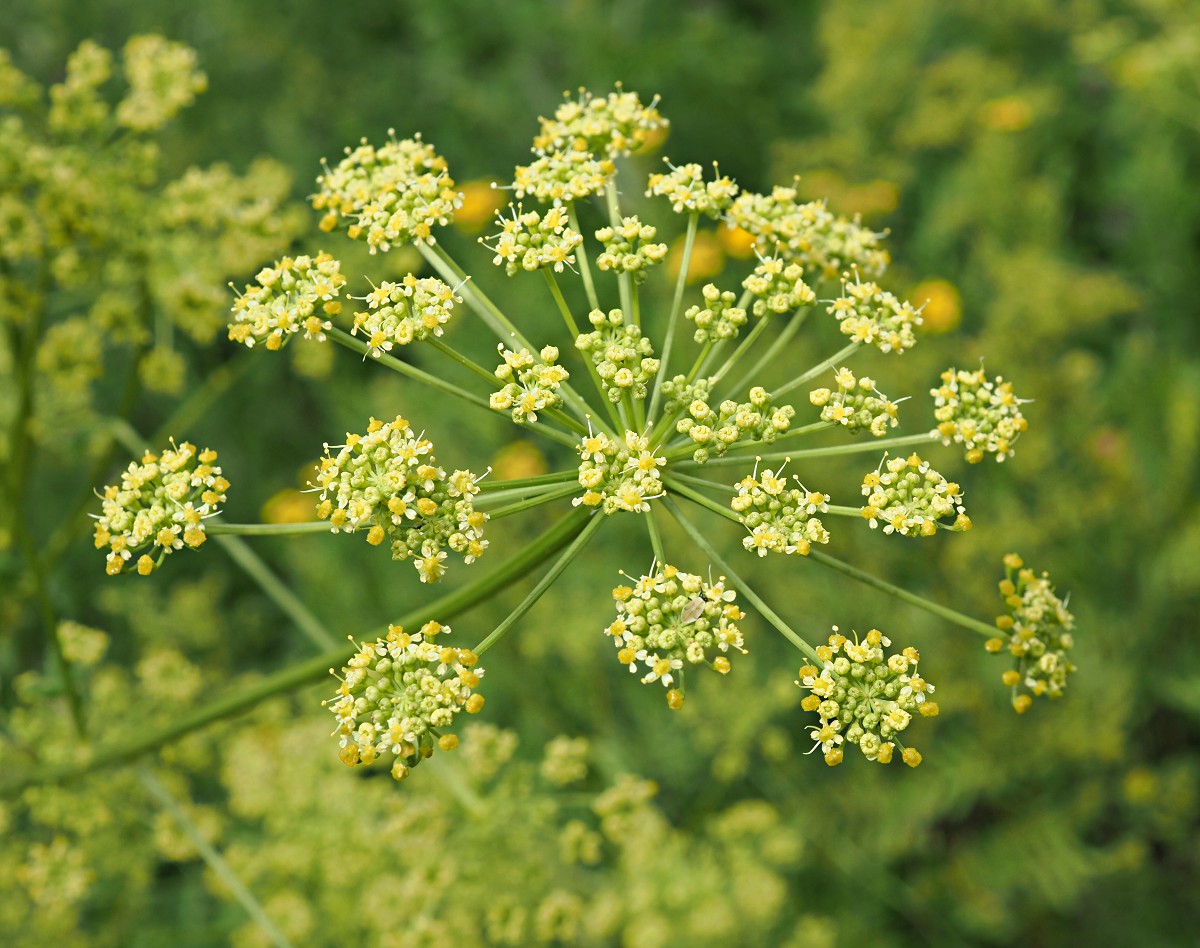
(287, 601)
(701, 483)
(614, 218)
(751, 596)
(544, 583)
(302, 673)
(873, 446)
(219, 528)
(585, 269)
(469, 364)
(673, 483)
(213, 859)
(656, 540)
(558, 477)
(673, 318)
(840, 356)
(842, 511)
(573, 328)
(526, 503)
(772, 354)
(561, 302)
(945, 612)
(743, 347)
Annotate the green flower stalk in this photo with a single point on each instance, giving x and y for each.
(649, 426)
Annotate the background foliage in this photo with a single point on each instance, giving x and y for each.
(1035, 159)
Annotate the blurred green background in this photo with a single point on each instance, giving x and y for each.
(1035, 165)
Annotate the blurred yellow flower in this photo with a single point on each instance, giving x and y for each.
(1010, 114)
(943, 305)
(654, 139)
(871, 198)
(479, 206)
(708, 259)
(735, 241)
(519, 459)
(289, 506)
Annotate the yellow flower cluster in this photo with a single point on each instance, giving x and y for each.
(530, 384)
(856, 405)
(865, 697)
(286, 301)
(670, 620)
(159, 506)
(912, 499)
(401, 313)
(531, 241)
(628, 248)
(1038, 628)
(981, 414)
(780, 518)
(870, 315)
(689, 193)
(398, 696)
(619, 475)
(778, 287)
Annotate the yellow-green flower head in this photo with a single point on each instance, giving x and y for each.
(619, 475)
(981, 414)
(777, 287)
(296, 294)
(910, 498)
(669, 621)
(163, 80)
(616, 125)
(1038, 629)
(560, 177)
(780, 517)
(689, 193)
(388, 483)
(400, 694)
(402, 313)
(718, 318)
(856, 405)
(159, 507)
(715, 431)
(822, 243)
(623, 357)
(530, 241)
(76, 105)
(870, 315)
(627, 248)
(864, 696)
(530, 383)
(394, 194)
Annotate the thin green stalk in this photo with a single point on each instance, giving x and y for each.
(673, 483)
(673, 318)
(544, 583)
(546, 496)
(581, 256)
(843, 511)
(738, 583)
(573, 328)
(302, 673)
(958, 618)
(743, 347)
(468, 364)
(840, 356)
(873, 446)
(287, 601)
(767, 358)
(656, 539)
(213, 859)
(614, 218)
(566, 421)
(219, 528)
(701, 483)
(679, 449)
(557, 477)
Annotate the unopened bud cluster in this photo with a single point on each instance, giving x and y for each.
(910, 498)
(1038, 628)
(628, 248)
(873, 316)
(777, 287)
(623, 357)
(670, 620)
(619, 475)
(822, 243)
(780, 517)
(857, 404)
(531, 241)
(398, 696)
(388, 482)
(981, 414)
(715, 431)
(530, 383)
(394, 194)
(689, 193)
(865, 697)
(159, 506)
(718, 318)
(401, 313)
(296, 294)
